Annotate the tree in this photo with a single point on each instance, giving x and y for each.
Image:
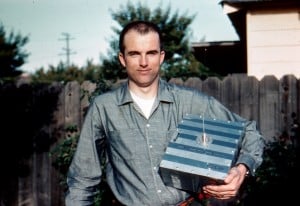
(61, 73)
(11, 54)
(179, 60)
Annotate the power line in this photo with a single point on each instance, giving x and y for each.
(67, 49)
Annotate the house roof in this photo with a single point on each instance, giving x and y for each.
(258, 1)
(238, 9)
(249, 4)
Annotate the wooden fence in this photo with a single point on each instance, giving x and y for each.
(28, 178)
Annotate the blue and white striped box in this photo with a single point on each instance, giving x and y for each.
(203, 152)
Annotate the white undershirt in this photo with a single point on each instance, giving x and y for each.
(144, 104)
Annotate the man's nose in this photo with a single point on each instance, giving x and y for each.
(143, 60)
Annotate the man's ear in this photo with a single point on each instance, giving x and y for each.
(162, 56)
(122, 59)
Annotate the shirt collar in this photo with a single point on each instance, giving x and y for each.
(164, 94)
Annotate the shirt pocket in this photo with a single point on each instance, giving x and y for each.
(127, 144)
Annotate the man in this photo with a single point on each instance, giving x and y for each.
(134, 124)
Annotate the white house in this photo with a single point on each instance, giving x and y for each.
(270, 33)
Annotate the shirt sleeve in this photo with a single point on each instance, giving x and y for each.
(252, 148)
(84, 173)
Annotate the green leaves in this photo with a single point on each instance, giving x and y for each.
(179, 60)
(63, 152)
(11, 54)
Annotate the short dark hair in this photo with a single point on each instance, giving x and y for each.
(142, 27)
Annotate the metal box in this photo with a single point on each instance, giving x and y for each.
(202, 153)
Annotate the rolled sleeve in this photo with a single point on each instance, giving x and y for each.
(252, 148)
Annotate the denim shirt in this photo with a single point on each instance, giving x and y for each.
(134, 145)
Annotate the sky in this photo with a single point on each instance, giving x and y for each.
(89, 26)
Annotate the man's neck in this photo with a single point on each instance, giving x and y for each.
(144, 92)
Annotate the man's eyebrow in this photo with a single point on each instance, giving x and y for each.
(152, 51)
(133, 52)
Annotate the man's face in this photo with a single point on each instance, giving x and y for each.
(142, 57)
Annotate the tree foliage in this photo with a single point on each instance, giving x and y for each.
(179, 60)
(61, 73)
(12, 56)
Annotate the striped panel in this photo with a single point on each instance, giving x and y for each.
(189, 158)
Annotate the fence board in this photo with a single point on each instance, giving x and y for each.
(269, 107)
(177, 81)
(25, 184)
(212, 87)
(58, 119)
(249, 98)
(72, 104)
(288, 101)
(57, 132)
(41, 180)
(230, 91)
(87, 89)
(194, 82)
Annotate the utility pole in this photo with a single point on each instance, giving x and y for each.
(67, 49)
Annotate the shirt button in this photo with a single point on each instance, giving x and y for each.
(154, 168)
(158, 191)
(148, 125)
(150, 146)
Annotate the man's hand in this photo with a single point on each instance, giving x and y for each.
(231, 185)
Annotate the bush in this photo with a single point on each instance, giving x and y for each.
(277, 177)
(63, 152)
